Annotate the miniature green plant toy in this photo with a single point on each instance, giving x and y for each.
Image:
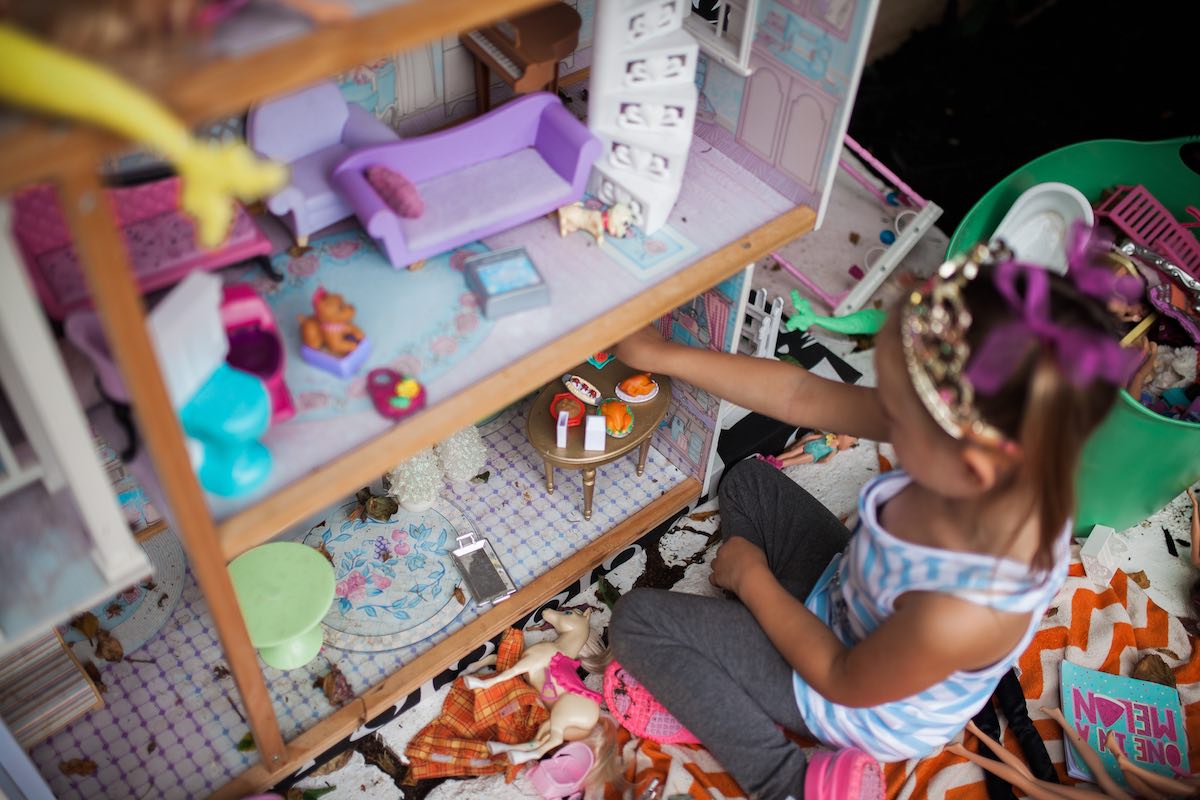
(861, 323)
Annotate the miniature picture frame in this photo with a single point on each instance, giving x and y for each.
(481, 569)
(505, 282)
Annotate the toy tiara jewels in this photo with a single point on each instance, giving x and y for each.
(933, 333)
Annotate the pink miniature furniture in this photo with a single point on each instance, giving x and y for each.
(509, 166)
(255, 345)
(83, 330)
(160, 238)
(1136, 213)
(311, 131)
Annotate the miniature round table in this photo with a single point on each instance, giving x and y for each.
(284, 590)
(540, 428)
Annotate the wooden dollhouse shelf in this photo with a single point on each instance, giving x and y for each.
(253, 56)
(596, 300)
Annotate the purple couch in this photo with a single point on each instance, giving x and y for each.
(514, 164)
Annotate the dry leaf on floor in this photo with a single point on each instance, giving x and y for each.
(296, 793)
(332, 765)
(93, 672)
(162, 599)
(607, 592)
(246, 743)
(459, 595)
(220, 672)
(379, 755)
(149, 585)
(78, 766)
(700, 516)
(107, 646)
(1139, 578)
(325, 552)
(335, 686)
(87, 624)
(112, 610)
(152, 746)
(482, 477)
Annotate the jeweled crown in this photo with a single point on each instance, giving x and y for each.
(933, 332)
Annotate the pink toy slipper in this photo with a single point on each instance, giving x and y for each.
(847, 774)
(562, 774)
(638, 712)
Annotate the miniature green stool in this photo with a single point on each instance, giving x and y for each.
(284, 590)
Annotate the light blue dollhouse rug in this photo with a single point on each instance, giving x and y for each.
(396, 582)
(647, 256)
(419, 322)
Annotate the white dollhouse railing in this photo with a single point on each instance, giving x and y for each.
(60, 451)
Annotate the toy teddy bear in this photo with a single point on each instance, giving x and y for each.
(330, 327)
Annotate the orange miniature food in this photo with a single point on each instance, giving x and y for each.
(567, 404)
(616, 415)
(638, 385)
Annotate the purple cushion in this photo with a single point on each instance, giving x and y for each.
(397, 191)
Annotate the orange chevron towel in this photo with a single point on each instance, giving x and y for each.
(1107, 628)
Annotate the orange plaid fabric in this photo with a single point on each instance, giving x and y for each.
(454, 744)
(1107, 628)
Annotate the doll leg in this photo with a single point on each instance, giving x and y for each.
(799, 535)
(710, 664)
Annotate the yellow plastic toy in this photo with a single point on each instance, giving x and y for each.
(41, 77)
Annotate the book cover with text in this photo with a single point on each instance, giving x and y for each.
(1146, 719)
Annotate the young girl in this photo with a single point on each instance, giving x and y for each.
(890, 637)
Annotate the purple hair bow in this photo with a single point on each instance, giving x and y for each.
(1082, 355)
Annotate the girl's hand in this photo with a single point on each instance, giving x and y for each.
(736, 561)
(643, 350)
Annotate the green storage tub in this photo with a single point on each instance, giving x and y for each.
(1137, 461)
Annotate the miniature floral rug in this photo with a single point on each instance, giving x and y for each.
(420, 322)
(396, 582)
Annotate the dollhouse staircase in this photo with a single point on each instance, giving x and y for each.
(642, 104)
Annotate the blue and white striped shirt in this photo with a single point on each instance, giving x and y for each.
(859, 589)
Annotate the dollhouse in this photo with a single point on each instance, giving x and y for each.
(774, 81)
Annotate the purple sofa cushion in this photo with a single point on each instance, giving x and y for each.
(480, 195)
(396, 190)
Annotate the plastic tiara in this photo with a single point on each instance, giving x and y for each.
(933, 333)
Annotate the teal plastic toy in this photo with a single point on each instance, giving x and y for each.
(226, 416)
(1136, 461)
(867, 322)
(284, 590)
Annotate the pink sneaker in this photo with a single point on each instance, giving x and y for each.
(562, 774)
(638, 712)
(846, 774)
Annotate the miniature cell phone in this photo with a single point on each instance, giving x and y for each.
(486, 578)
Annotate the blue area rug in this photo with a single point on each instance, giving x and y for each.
(420, 323)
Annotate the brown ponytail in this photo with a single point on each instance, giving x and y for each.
(1048, 416)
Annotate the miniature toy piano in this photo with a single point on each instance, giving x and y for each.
(524, 50)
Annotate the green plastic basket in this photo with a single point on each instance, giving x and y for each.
(1137, 461)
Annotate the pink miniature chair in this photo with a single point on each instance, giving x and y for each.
(255, 345)
(83, 330)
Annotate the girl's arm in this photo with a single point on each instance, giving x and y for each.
(927, 638)
(779, 390)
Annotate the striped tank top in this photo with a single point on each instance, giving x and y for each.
(858, 590)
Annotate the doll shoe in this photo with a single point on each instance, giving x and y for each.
(847, 774)
(632, 705)
(562, 774)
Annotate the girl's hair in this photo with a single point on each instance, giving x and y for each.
(1038, 407)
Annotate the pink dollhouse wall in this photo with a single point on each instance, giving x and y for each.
(785, 121)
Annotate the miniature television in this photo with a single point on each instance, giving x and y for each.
(505, 282)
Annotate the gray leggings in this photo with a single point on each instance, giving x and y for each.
(708, 661)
